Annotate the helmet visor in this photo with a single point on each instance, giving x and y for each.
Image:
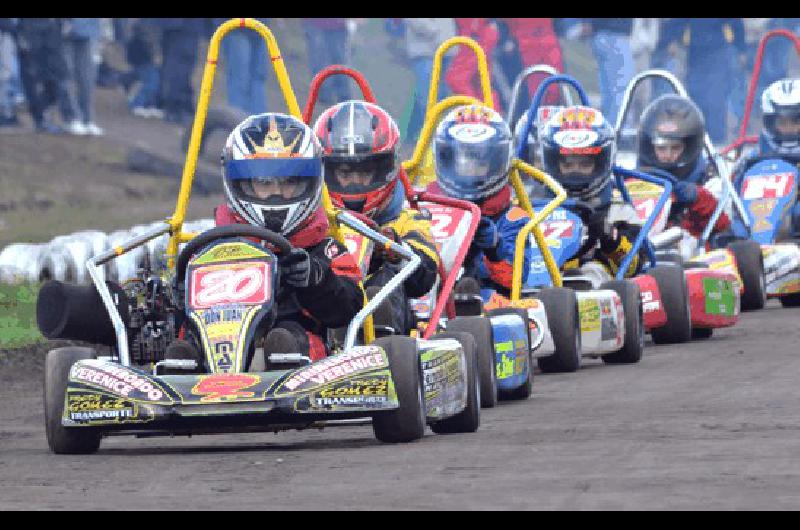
(353, 175)
(470, 166)
(274, 181)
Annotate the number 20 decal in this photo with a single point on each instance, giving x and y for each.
(244, 284)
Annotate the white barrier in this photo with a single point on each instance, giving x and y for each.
(64, 257)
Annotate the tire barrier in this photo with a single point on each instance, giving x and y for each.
(64, 257)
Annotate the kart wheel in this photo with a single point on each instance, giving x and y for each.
(631, 351)
(702, 333)
(407, 422)
(790, 300)
(564, 321)
(751, 268)
(469, 419)
(481, 330)
(65, 440)
(675, 297)
(526, 389)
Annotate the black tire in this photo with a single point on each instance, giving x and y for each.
(469, 419)
(564, 321)
(790, 300)
(671, 283)
(702, 333)
(65, 440)
(524, 391)
(750, 263)
(481, 329)
(631, 351)
(407, 422)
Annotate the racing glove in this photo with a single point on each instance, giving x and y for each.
(299, 269)
(487, 236)
(385, 254)
(685, 192)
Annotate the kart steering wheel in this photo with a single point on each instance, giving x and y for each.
(220, 232)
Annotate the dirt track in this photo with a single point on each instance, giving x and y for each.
(712, 425)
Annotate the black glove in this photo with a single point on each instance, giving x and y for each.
(299, 269)
(486, 236)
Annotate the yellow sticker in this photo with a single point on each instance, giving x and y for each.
(590, 314)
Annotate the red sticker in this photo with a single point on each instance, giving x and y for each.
(768, 186)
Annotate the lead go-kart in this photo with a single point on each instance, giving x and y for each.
(768, 189)
(181, 356)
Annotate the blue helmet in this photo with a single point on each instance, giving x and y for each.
(472, 153)
(578, 148)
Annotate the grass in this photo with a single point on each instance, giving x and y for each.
(18, 316)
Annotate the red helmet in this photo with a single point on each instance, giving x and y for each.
(359, 155)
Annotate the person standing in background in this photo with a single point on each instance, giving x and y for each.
(139, 52)
(611, 44)
(712, 43)
(81, 43)
(326, 40)
(462, 75)
(246, 69)
(538, 44)
(423, 36)
(9, 74)
(180, 38)
(43, 69)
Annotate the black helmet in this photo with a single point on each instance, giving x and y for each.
(668, 119)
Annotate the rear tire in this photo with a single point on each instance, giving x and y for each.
(790, 300)
(702, 333)
(750, 263)
(407, 422)
(469, 419)
(671, 283)
(631, 351)
(564, 321)
(65, 440)
(481, 330)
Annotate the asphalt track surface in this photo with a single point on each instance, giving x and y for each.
(708, 425)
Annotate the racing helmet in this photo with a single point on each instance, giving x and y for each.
(272, 171)
(780, 102)
(359, 154)
(580, 140)
(671, 120)
(472, 152)
(531, 154)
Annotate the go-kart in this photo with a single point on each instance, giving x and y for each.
(515, 107)
(180, 356)
(430, 308)
(740, 257)
(768, 189)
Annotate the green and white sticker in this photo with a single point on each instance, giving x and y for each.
(720, 297)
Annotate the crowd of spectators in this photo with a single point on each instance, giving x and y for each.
(51, 66)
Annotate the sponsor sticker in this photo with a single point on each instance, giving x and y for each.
(117, 379)
(331, 368)
(228, 252)
(590, 314)
(472, 133)
(225, 387)
(720, 296)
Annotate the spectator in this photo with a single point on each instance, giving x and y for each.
(246, 69)
(462, 74)
(668, 55)
(82, 40)
(180, 38)
(611, 44)
(538, 44)
(644, 37)
(326, 40)
(44, 70)
(139, 52)
(711, 43)
(9, 74)
(423, 37)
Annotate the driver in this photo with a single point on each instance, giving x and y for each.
(272, 177)
(472, 156)
(671, 139)
(360, 142)
(780, 136)
(578, 147)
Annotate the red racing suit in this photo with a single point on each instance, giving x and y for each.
(538, 44)
(333, 302)
(462, 75)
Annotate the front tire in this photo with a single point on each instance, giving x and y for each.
(631, 351)
(750, 263)
(564, 321)
(671, 283)
(407, 422)
(65, 440)
(526, 389)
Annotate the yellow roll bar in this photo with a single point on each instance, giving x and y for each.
(533, 225)
(177, 236)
